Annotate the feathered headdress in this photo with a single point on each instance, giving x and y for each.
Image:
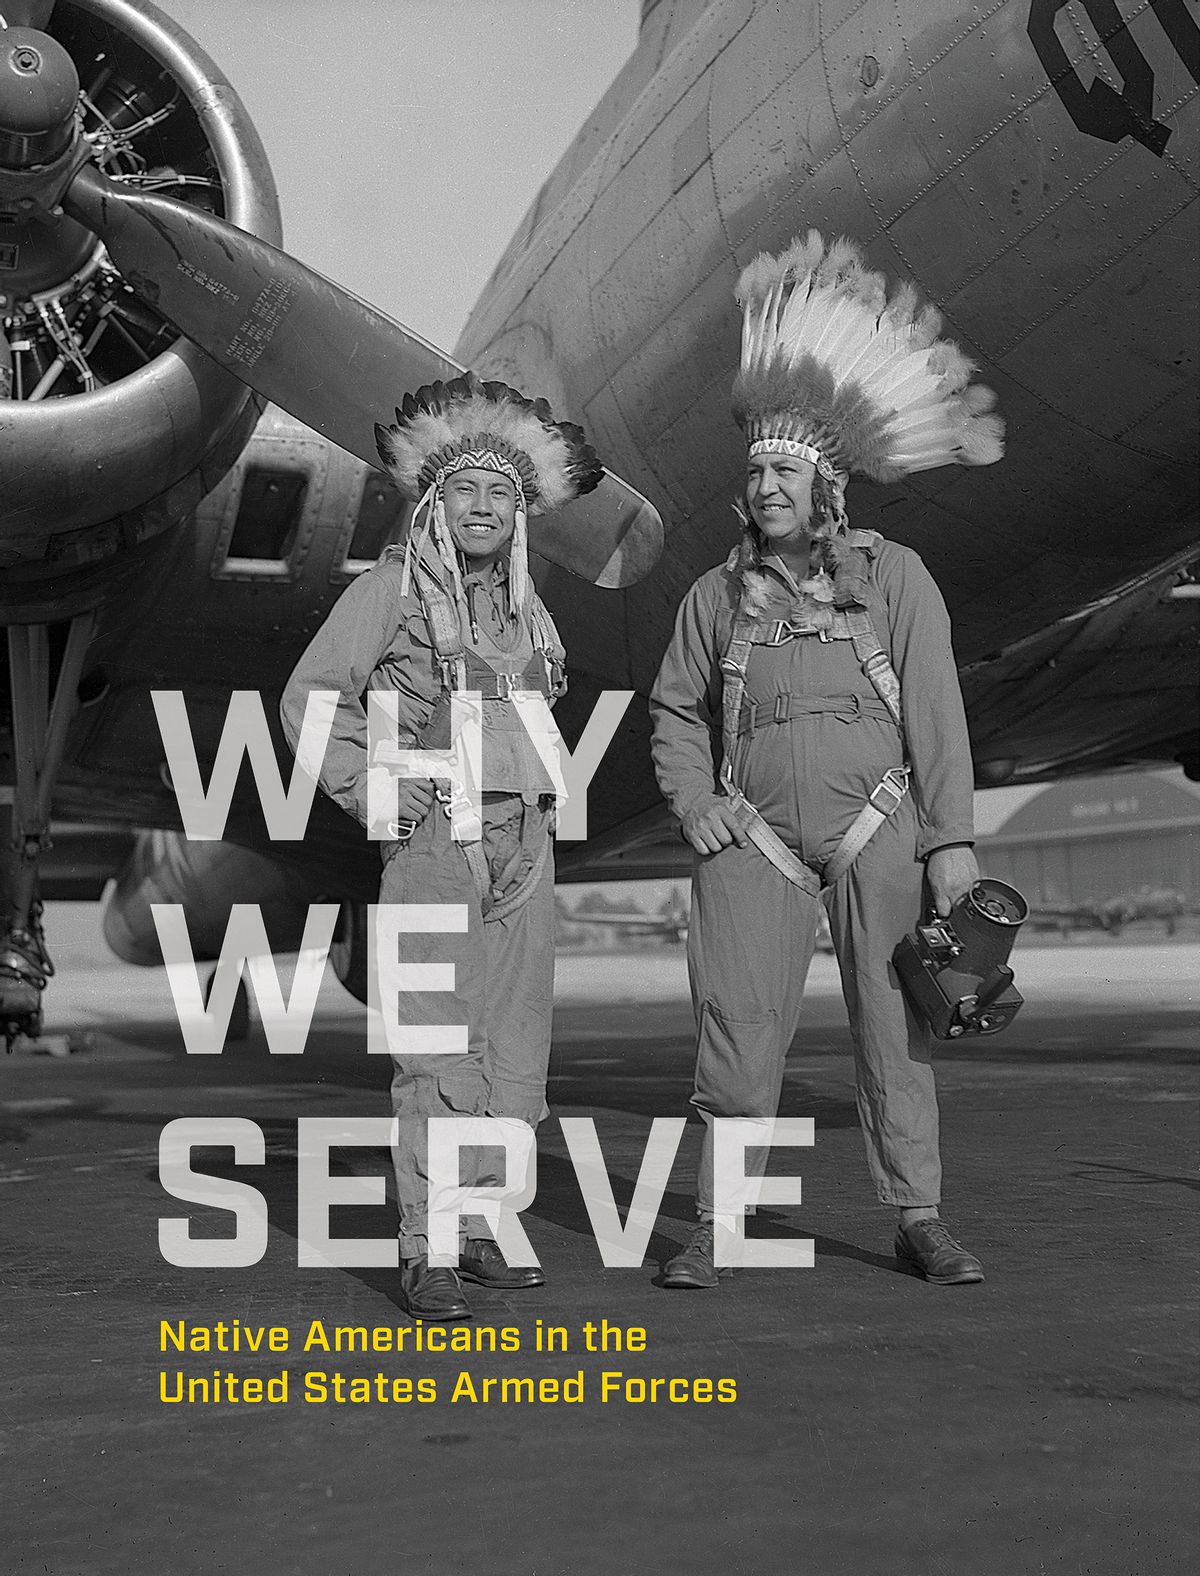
(468, 424)
(833, 371)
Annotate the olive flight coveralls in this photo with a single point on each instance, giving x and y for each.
(377, 637)
(814, 741)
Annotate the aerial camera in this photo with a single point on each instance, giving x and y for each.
(955, 970)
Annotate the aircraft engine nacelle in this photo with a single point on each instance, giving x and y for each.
(349, 956)
(206, 879)
(112, 427)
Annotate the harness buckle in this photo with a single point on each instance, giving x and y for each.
(849, 708)
(445, 797)
(784, 630)
(401, 831)
(504, 686)
(781, 708)
(895, 783)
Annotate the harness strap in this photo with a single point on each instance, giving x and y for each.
(784, 708)
(876, 663)
(733, 670)
(546, 640)
(445, 626)
(733, 667)
(768, 842)
(500, 686)
(884, 801)
(885, 798)
(445, 631)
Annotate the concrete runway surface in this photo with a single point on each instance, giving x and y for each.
(1043, 1422)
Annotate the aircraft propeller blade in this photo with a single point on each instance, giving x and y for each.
(27, 13)
(316, 350)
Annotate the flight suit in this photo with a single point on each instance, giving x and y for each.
(378, 638)
(814, 741)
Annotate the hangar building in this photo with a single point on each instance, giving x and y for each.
(1092, 839)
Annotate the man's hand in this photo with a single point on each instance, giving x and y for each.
(714, 827)
(414, 795)
(952, 871)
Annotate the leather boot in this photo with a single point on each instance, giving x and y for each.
(929, 1246)
(693, 1269)
(432, 1293)
(481, 1261)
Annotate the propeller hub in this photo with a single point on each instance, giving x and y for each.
(39, 90)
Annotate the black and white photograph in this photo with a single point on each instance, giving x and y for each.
(600, 787)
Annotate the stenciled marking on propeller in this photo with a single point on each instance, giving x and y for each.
(183, 265)
(257, 328)
(215, 287)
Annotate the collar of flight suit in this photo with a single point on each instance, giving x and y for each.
(853, 574)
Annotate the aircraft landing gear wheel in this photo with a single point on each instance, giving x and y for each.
(239, 1018)
(24, 971)
(29, 1026)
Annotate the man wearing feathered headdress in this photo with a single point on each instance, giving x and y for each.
(808, 724)
(452, 611)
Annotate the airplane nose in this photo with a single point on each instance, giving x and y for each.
(39, 89)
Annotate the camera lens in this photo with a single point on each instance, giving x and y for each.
(998, 902)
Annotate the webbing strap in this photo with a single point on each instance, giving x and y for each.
(876, 663)
(445, 631)
(886, 798)
(733, 668)
(884, 801)
(733, 671)
(546, 640)
(785, 708)
(767, 842)
(496, 683)
(441, 614)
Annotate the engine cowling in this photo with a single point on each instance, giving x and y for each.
(113, 427)
(350, 954)
(206, 879)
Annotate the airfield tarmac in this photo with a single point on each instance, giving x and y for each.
(1042, 1422)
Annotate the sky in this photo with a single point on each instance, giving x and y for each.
(408, 137)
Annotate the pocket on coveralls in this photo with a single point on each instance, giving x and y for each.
(424, 1093)
(738, 1063)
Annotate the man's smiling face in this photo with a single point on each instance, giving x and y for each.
(481, 511)
(779, 497)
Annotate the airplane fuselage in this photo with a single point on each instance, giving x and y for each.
(1055, 228)
(1038, 182)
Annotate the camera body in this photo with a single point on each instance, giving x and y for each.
(955, 970)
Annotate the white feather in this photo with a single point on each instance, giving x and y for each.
(823, 302)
